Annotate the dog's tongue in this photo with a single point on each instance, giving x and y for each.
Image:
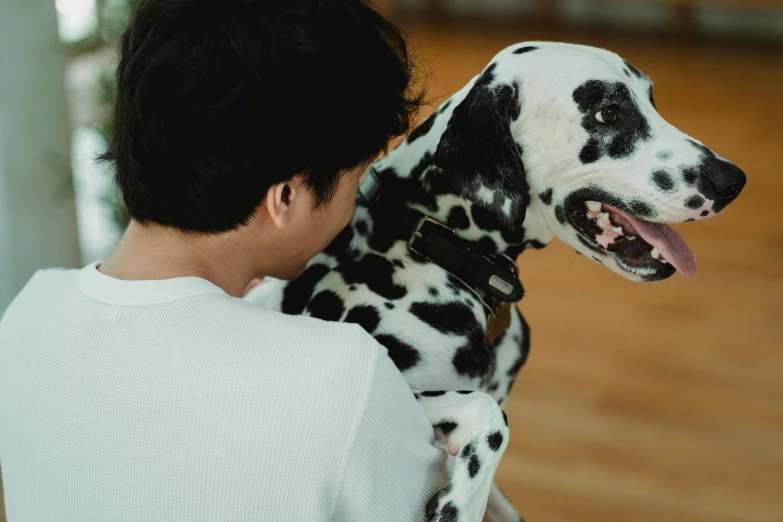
(672, 246)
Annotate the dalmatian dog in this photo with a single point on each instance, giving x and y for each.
(549, 140)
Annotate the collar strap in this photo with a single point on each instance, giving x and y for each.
(493, 279)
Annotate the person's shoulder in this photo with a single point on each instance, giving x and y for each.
(298, 333)
(42, 282)
(47, 276)
(38, 289)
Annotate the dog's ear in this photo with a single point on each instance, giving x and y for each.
(479, 154)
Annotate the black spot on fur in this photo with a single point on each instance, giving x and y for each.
(326, 305)
(704, 213)
(398, 263)
(444, 106)
(694, 202)
(642, 209)
(473, 466)
(589, 95)
(365, 316)
(433, 393)
(690, 176)
(361, 227)
(618, 139)
(298, 292)
(402, 355)
(560, 214)
(494, 440)
(474, 358)
(434, 292)
(663, 180)
(353, 288)
(591, 152)
(486, 245)
(446, 427)
(465, 392)
(449, 513)
(508, 96)
(452, 318)
(467, 451)
(458, 218)
(636, 72)
(376, 272)
(525, 49)
(652, 100)
(546, 196)
(505, 418)
(423, 128)
(689, 220)
(665, 154)
(388, 305)
(484, 219)
(627, 72)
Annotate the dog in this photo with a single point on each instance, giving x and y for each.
(549, 140)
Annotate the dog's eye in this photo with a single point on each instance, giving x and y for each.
(608, 115)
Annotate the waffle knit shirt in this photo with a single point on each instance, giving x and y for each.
(172, 401)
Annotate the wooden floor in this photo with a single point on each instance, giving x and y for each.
(660, 401)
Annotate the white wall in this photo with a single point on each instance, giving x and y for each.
(37, 216)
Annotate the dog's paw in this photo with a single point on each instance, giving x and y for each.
(448, 506)
(442, 508)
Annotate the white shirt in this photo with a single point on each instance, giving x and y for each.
(172, 401)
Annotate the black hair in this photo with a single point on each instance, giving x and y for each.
(218, 100)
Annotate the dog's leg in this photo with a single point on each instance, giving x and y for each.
(499, 508)
(477, 435)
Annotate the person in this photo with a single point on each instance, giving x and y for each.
(143, 387)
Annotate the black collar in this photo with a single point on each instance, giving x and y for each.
(493, 278)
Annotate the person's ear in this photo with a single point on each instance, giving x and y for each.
(279, 199)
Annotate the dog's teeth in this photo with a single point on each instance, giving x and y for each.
(619, 230)
(664, 261)
(655, 253)
(605, 216)
(593, 206)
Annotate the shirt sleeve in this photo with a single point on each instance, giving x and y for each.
(391, 468)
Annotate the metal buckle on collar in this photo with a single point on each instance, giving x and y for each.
(416, 234)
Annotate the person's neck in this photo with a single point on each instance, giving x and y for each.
(149, 252)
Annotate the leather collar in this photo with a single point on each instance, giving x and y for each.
(492, 278)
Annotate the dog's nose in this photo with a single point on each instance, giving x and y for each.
(723, 183)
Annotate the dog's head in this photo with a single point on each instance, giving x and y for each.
(567, 140)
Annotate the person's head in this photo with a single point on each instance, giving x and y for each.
(255, 113)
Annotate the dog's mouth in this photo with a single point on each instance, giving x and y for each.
(650, 250)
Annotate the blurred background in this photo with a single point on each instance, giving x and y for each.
(639, 402)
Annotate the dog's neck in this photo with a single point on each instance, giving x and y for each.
(411, 182)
